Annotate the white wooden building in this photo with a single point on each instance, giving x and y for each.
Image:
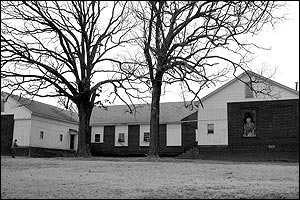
(212, 119)
(41, 125)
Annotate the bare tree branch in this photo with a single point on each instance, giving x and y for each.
(68, 50)
(196, 42)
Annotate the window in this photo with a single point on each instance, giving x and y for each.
(248, 91)
(210, 128)
(97, 137)
(41, 134)
(249, 123)
(61, 137)
(146, 136)
(121, 137)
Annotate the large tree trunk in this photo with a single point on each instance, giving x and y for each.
(154, 119)
(84, 135)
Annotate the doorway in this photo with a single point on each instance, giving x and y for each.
(7, 129)
(72, 142)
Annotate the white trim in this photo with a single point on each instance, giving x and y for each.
(143, 128)
(173, 135)
(121, 129)
(97, 130)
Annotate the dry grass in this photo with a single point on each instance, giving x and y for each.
(167, 178)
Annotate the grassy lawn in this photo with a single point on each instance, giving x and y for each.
(106, 178)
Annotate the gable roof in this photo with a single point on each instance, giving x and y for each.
(170, 112)
(245, 74)
(45, 110)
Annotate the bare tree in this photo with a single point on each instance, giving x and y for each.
(59, 48)
(195, 41)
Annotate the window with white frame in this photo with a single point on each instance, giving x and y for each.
(146, 136)
(61, 137)
(41, 134)
(121, 137)
(210, 128)
(97, 137)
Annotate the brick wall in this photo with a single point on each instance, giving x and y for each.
(277, 128)
(107, 148)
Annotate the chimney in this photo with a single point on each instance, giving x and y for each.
(296, 86)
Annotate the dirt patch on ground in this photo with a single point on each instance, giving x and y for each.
(106, 178)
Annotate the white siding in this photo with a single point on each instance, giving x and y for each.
(22, 129)
(219, 137)
(121, 129)
(22, 123)
(173, 134)
(52, 130)
(215, 110)
(279, 92)
(218, 117)
(144, 128)
(97, 130)
(13, 107)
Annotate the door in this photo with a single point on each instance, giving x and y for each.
(7, 129)
(72, 142)
(133, 138)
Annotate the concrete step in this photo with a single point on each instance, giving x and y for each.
(192, 153)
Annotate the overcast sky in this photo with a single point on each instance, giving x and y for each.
(284, 43)
(284, 54)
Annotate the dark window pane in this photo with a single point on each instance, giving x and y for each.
(97, 137)
(210, 128)
(121, 137)
(146, 136)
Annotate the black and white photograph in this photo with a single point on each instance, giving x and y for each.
(149, 99)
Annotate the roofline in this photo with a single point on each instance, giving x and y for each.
(135, 123)
(275, 83)
(220, 88)
(49, 117)
(144, 104)
(237, 102)
(38, 114)
(122, 124)
(241, 75)
(118, 124)
(11, 98)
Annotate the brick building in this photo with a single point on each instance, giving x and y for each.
(215, 131)
(221, 123)
(117, 132)
(276, 128)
